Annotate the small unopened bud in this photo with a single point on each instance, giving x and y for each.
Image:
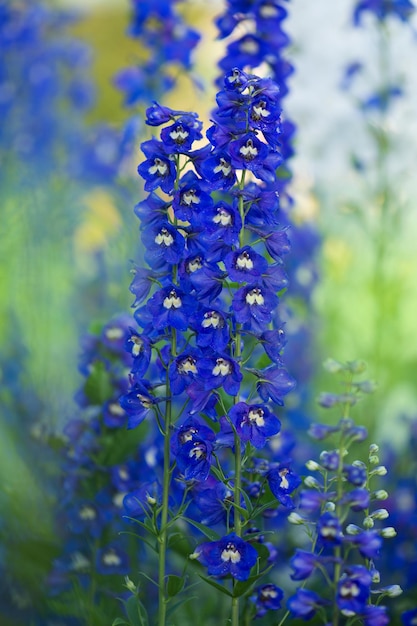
(150, 500)
(376, 577)
(380, 514)
(294, 518)
(310, 481)
(312, 466)
(373, 448)
(381, 470)
(352, 529)
(368, 522)
(374, 459)
(393, 591)
(130, 585)
(388, 532)
(380, 494)
(194, 555)
(330, 507)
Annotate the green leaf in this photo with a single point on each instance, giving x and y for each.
(263, 554)
(120, 622)
(136, 612)
(217, 586)
(243, 586)
(98, 387)
(174, 585)
(210, 534)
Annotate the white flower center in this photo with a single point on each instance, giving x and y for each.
(257, 416)
(328, 531)
(250, 46)
(211, 318)
(254, 296)
(79, 561)
(187, 435)
(244, 261)
(231, 553)
(349, 591)
(137, 345)
(284, 484)
(172, 301)
(87, 513)
(114, 333)
(197, 452)
(164, 238)
(145, 402)
(111, 558)
(224, 167)
(194, 265)
(190, 197)
(223, 217)
(178, 134)
(249, 151)
(187, 365)
(116, 409)
(260, 111)
(269, 592)
(158, 167)
(267, 10)
(222, 368)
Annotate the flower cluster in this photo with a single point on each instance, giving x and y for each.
(207, 309)
(346, 542)
(168, 43)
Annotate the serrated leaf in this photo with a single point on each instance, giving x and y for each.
(210, 534)
(174, 585)
(217, 586)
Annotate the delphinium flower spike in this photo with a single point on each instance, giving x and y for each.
(208, 314)
(339, 510)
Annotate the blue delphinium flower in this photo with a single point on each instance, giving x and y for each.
(402, 9)
(230, 555)
(267, 598)
(169, 42)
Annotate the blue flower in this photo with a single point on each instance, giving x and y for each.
(353, 590)
(267, 598)
(164, 245)
(273, 383)
(230, 555)
(409, 618)
(303, 563)
(168, 306)
(137, 403)
(254, 423)
(194, 459)
(158, 170)
(112, 560)
(212, 328)
(245, 265)
(329, 530)
(304, 604)
(402, 9)
(282, 482)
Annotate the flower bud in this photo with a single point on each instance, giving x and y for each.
(393, 591)
(312, 466)
(130, 585)
(352, 529)
(374, 459)
(368, 522)
(330, 507)
(376, 577)
(380, 514)
(380, 494)
(388, 532)
(310, 481)
(373, 448)
(381, 470)
(294, 518)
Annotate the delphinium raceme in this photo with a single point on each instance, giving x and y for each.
(101, 463)
(257, 41)
(341, 508)
(168, 45)
(214, 248)
(377, 87)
